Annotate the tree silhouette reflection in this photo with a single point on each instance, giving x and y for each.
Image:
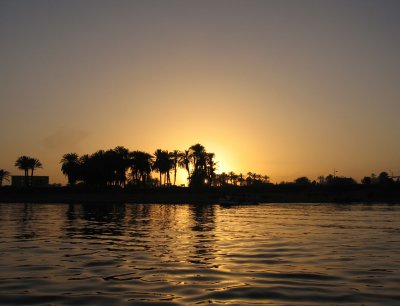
(100, 219)
(204, 233)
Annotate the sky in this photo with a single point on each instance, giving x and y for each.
(282, 88)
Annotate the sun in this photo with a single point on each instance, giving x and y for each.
(224, 158)
(220, 168)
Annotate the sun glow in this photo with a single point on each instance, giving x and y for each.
(225, 158)
(221, 167)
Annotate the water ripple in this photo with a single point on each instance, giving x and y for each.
(278, 254)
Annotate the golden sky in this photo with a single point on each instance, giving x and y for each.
(283, 88)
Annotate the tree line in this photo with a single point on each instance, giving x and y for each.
(25, 163)
(382, 179)
(122, 167)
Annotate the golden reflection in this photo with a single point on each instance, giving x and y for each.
(195, 253)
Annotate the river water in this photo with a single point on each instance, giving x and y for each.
(153, 254)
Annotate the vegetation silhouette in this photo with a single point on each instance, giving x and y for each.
(140, 165)
(120, 167)
(22, 163)
(382, 179)
(302, 180)
(184, 161)
(162, 164)
(175, 156)
(153, 177)
(70, 167)
(33, 165)
(27, 163)
(4, 176)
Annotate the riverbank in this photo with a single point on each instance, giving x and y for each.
(179, 195)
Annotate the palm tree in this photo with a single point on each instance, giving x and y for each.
(241, 180)
(184, 161)
(34, 164)
(83, 172)
(249, 178)
(198, 156)
(211, 167)
(224, 178)
(4, 175)
(232, 177)
(70, 167)
(96, 168)
(162, 164)
(23, 163)
(175, 156)
(140, 164)
(157, 163)
(265, 179)
(122, 164)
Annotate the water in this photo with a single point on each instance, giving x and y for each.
(276, 254)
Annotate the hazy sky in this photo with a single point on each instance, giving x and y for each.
(284, 88)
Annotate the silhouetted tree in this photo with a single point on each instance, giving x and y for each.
(121, 164)
(109, 168)
(197, 154)
(241, 179)
(175, 156)
(321, 180)
(70, 167)
(84, 171)
(211, 167)
(4, 175)
(232, 177)
(265, 179)
(384, 178)
(254, 178)
(366, 180)
(27, 163)
(184, 162)
(23, 163)
(141, 166)
(221, 179)
(198, 157)
(162, 164)
(302, 181)
(98, 168)
(34, 164)
(235, 179)
(249, 178)
(156, 166)
(329, 179)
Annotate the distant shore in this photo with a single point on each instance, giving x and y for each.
(179, 195)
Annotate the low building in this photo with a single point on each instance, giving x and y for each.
(35, 181)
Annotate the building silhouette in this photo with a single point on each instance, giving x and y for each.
(34, 181)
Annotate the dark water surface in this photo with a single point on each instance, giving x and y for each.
(284, 254)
